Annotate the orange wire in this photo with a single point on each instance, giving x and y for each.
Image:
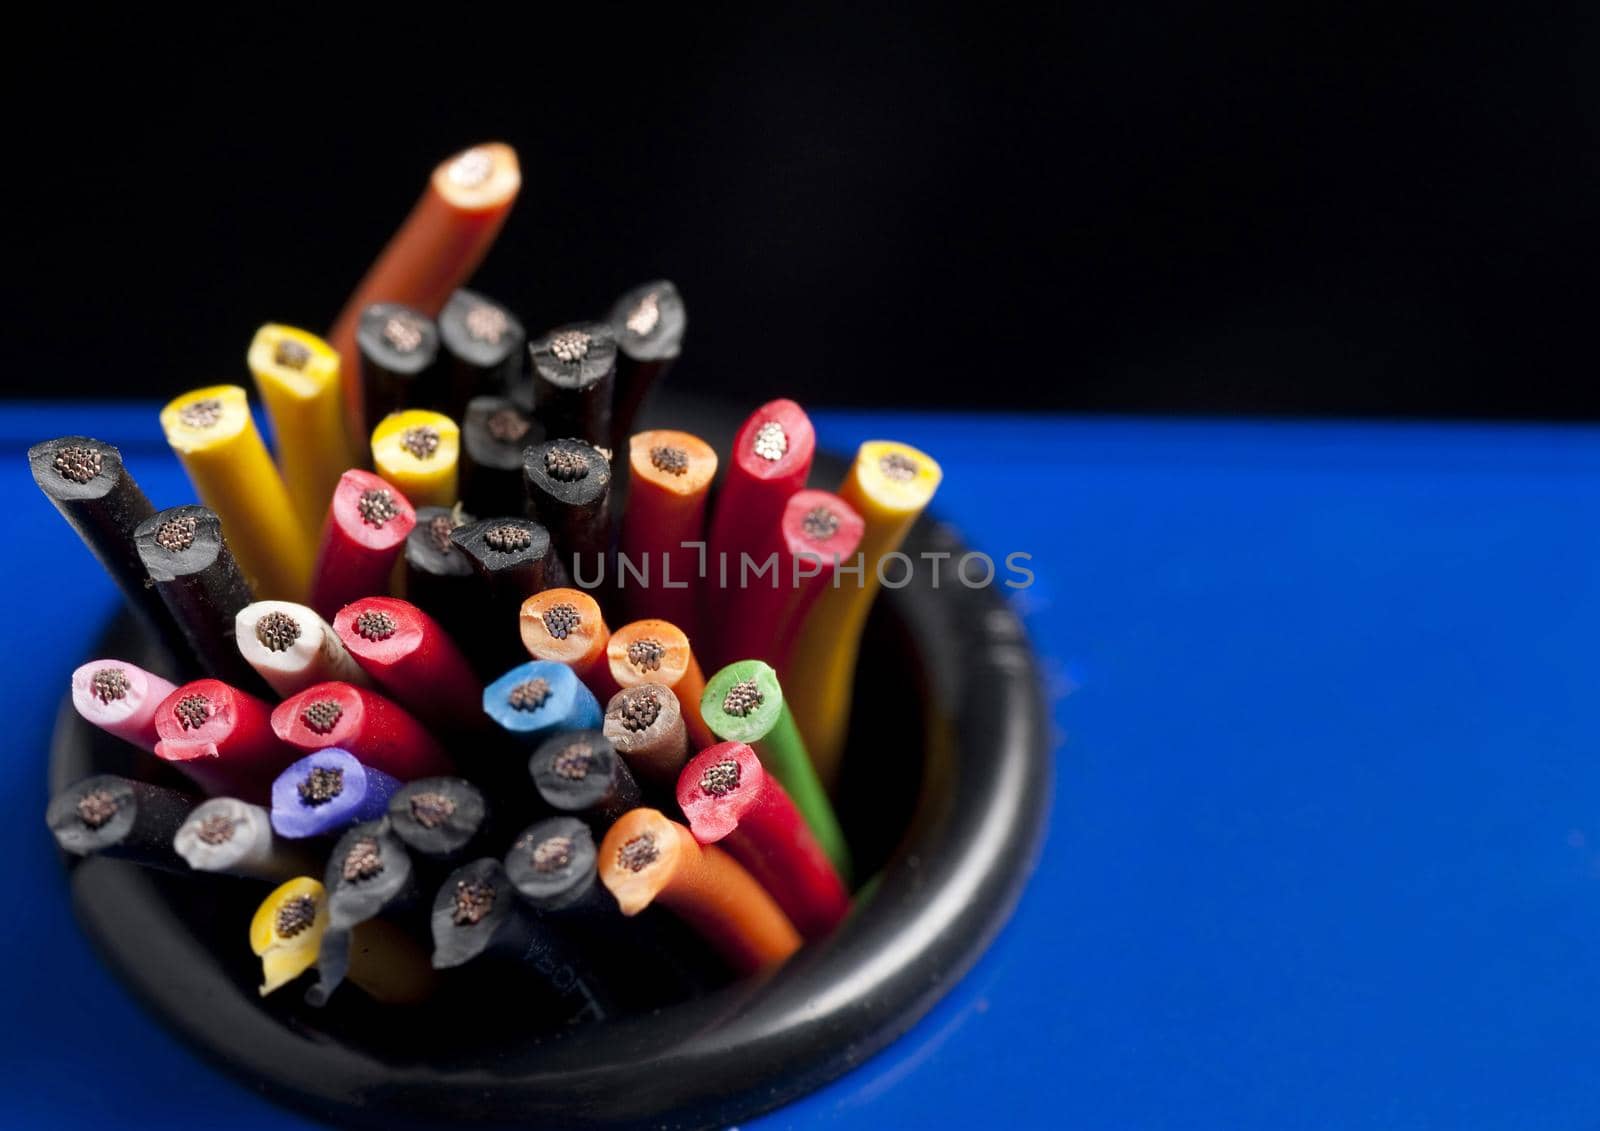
(582, 647)
(656, 651)
(647, 858)
(436, 250)
(671, 475)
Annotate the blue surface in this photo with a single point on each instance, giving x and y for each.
(1326, 842)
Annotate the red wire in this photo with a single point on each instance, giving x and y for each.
(816, 528)
(377, 731)
(749, 814)
(360, 541)
(410, 656)
(752, 498)
(221, 738)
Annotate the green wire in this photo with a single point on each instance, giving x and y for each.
(768, 728)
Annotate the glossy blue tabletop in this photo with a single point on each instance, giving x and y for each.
(1325, 846)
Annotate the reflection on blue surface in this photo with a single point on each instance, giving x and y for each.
(1325, 850)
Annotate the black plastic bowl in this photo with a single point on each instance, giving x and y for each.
(945, 795)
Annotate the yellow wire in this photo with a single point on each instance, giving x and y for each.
(403, 452)
(297, 375)
(215, 438)
(285, 958)
(890, 484)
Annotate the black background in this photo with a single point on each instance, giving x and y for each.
(1141, 209)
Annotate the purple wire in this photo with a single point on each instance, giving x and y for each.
(307, 804)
